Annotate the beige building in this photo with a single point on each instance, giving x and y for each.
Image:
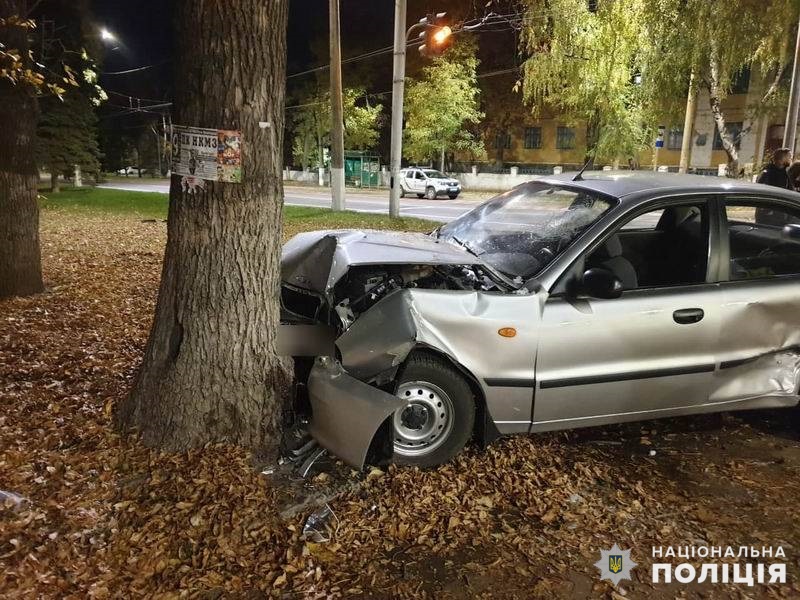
(540, 144)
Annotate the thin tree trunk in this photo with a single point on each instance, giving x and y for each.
(210, 370)
(715, 102)
(441, 161)
(54, 184)
(20, 255)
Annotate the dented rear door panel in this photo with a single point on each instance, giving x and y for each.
(759, 346)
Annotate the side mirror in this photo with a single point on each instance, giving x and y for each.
(601, 283)
(791, 231)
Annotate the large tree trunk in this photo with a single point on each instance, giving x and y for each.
(20, 256)
(210, 370)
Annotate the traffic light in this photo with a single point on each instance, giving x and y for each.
(436, 36)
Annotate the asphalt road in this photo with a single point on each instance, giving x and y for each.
(442, 209)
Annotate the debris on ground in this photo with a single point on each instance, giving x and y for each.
(109, 518)
(318, 527)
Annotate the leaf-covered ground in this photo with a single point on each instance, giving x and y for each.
(106, 517)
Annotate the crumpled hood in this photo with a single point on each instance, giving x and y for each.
(316, 260)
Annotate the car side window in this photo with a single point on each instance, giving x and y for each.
(666, 247)
(760, 244)
(420, 175)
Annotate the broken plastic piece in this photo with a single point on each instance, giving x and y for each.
(317, 527)
(12, 500)
(310, 460)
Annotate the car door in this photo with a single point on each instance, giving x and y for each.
(649, 352)
(419, 182)
(760, 310)
(408, 181)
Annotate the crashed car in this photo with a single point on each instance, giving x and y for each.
(565, 302)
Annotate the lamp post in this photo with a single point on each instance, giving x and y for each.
(401, 37)
(790, 130)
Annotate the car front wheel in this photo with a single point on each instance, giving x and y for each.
(402, 192)
(438, 418)
(430, 193)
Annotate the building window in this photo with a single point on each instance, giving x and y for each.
(734, 129)
(502, 140)
(533, 138)
(741, 81)
(674, 138)
(565, 138)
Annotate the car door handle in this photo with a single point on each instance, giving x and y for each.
(686, 316)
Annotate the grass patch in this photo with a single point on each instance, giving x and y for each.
(145, 205)
(150, 205)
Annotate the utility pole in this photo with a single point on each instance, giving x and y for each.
(164, 146)
(398, 88)
(790, 131)
(337, 111)
(688, 126)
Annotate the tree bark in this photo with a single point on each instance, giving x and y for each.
(210, 370)
(715, 102)
(54, 185)
(20, 254)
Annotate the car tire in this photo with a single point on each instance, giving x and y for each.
(402, 192)
(422, 435)
(452, 196)
(420, 195)
(430, 193)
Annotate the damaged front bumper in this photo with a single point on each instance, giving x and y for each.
(348, 413)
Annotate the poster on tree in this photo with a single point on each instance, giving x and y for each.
(210, 154)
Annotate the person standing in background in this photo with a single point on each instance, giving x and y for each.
(775, 172)
(794, 174)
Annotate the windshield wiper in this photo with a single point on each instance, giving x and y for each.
(496, 274)
(465, 246)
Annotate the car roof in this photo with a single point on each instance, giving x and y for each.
(634, 183)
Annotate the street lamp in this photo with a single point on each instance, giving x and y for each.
(107, 36)
(439, 38)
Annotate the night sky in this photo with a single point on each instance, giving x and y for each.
(145, 30)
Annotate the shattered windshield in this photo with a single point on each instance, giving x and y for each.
(520, 232)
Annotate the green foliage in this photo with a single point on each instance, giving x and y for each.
(442, 105)
(583, 65)
(21, 68)
(150, 205)
(67, 128)
(625, 68)
(67, 133)
(312, 124)
(360, 122)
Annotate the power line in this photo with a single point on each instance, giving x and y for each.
(136, 70)
(135, 98)
(469, 26)
(478, 76)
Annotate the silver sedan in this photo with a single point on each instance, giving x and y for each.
(565, 302)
